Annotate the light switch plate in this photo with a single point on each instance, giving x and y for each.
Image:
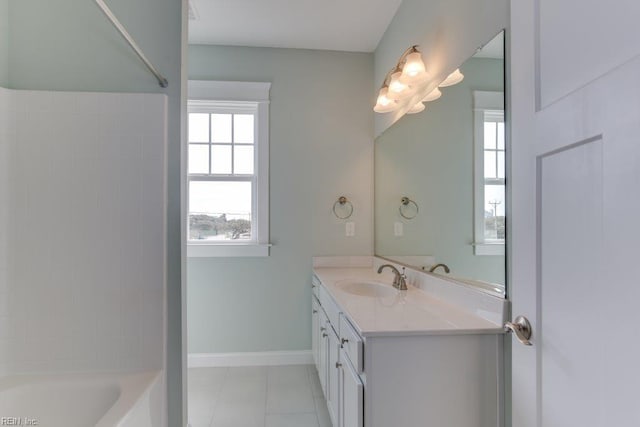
(398, 229)
(350, 229)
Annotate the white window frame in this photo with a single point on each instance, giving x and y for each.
(483, 102)
(218, 96)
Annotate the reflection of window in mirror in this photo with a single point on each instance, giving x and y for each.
(489, 173)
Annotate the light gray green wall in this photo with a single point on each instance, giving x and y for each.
(429, 157)
(4, 43)
(447, 32)
(69, 45)
(321, 146)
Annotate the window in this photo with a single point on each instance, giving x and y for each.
(227, 169)
(489, 173)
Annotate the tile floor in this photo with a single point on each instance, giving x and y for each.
(256, 396)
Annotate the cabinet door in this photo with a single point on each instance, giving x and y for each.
(352, 393)
(333, 389)
(323, 350)
(315, 329)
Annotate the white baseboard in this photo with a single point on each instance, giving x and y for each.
(267, 358)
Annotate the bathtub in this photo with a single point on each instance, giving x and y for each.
(83, 400)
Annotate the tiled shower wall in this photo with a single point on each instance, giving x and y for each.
(82, 220)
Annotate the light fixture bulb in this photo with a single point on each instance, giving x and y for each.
(413, 65)
(416, 108)
(384, 104)
(452, 79)
(432, 96)
(397, 89)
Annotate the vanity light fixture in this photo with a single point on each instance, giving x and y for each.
(404, 80)
(419, 107)
(452, 79)
(432, 96)
(414, 70)
(384, 104)
(401, 82)
(397, 89)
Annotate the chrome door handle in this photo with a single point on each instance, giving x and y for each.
(521, 328)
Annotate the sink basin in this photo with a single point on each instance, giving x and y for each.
(367, 289)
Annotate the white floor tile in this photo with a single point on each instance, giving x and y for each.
(287, 398)
(210, 376)
(200, 407)
(197, 422)
(247, 372)
(293, 375)
(323, 414)
(246, 390)
(316, 388)
(238, 415)
(292, 420)
(256, 396)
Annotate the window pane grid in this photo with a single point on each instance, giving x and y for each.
(223, 129)
(222, 184)
(493, 190)
(494, 167)
(233, 150)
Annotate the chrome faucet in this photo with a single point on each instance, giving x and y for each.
(446, 269)
(400, 279)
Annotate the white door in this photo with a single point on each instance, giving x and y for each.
(575, 98)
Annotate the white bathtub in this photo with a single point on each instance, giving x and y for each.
(83, 400)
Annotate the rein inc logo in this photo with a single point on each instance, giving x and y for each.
(18, 421)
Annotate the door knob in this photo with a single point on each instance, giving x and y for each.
(521, 328)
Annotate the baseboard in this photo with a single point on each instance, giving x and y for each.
(267, 358)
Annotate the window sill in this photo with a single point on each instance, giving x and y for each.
(208, 250)
(488, 249)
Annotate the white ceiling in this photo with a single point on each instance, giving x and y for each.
(347, 25)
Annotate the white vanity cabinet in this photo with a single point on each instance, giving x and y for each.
(327, 353)
(337, 342)
(315, 328)
(323, 351)
(394, 376)
(351, 400)
(333, 387)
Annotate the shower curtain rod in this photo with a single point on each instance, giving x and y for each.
(123, 32)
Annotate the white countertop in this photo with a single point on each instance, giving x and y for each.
(411, 312)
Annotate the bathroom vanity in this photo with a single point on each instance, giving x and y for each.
(430, 355)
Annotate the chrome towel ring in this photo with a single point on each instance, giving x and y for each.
(406, 207)
(345, 206)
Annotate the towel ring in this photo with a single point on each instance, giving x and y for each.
(404, 203)
(343, 202)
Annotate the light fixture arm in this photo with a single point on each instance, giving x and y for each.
(409, 51)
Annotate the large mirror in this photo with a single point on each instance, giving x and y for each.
(440, 179)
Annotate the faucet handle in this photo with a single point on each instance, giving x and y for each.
(402, 280)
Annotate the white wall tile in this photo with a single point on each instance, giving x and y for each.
(81, 207)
